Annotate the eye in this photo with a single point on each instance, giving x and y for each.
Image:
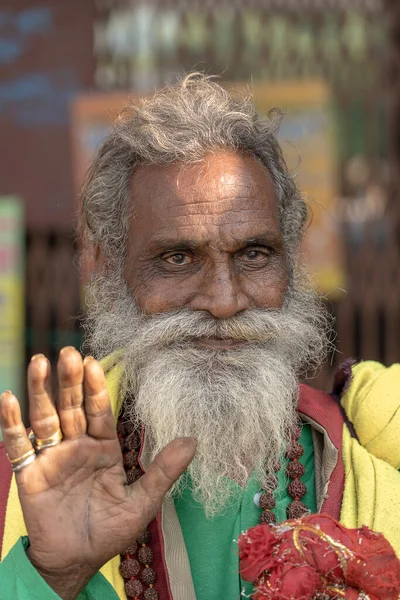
(255, 254)
(254, 257)
(178, 259)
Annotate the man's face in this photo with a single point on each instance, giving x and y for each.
(206, 237)
(211, 335)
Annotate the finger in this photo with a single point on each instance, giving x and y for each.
(42, 411)
(70, 393)
(16, 441)
(166, 468)
(99, 416)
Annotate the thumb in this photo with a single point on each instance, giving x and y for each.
(166, 468)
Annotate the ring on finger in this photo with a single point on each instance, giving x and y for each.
(23, 461)
(42, 444)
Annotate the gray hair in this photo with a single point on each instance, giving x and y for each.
(182, 123)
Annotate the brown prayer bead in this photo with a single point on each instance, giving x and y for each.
(133, 475)
(132, 442)
(123, 428)
(296, 509)
(297, 432)
(132, 548)
(148, 576)
(277, 466)
(297, 489)
(267, 500)
(130, 459)
(146, 555)
(295, 450)
(144, 537)
(133, 588)
(268, 517)
(150, 594)
(129, 567)
(295, 470)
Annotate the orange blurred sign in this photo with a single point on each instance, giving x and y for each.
(91, 118)
(307, 141)
(306, 137)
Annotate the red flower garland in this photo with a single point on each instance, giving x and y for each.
(316, 557)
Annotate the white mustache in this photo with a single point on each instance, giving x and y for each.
(182, 326)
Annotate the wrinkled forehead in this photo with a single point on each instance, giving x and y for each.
(224, 187)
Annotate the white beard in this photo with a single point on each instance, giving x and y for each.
(240, 404)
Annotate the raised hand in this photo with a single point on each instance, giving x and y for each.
(78, 509)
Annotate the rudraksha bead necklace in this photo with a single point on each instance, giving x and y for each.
(296, 488)
(139, 577)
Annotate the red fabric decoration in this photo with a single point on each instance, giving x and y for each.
(302, 558)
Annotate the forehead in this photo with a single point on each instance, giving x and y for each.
(226, 194)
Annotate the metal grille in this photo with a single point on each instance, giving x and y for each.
(52, 294)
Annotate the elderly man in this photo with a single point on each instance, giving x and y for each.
(204, 321)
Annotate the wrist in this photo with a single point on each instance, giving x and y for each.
(67, 582)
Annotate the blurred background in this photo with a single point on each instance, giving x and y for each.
(68, 66)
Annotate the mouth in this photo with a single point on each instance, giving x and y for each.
(215, 343)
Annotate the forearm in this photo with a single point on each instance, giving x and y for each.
(68, 584)
(20, 580)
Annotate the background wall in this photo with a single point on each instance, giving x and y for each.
(46, 59)
(52, 52)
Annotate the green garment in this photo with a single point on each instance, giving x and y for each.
(19, 580)
(211, 545)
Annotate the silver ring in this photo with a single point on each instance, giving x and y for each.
(24, 463)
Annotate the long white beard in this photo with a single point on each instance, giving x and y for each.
(240, 404)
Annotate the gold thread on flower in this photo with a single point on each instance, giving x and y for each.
(341, 551)
(335, 590)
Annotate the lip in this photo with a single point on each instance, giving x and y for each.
(218, 343)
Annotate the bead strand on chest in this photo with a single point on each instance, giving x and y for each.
(139, 577)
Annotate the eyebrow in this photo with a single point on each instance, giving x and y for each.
(160, 244)
(260, 240)
(163, 244)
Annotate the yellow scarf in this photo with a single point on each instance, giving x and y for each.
(372, 481)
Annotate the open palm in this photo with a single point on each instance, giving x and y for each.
(77, 506)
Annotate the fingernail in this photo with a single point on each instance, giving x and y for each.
(35, 356)
(65, 349)
(87, 359)
(6, 392)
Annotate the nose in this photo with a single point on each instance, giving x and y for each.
(221, 295)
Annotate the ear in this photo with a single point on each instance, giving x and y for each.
(100, 260)
(93, 260)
